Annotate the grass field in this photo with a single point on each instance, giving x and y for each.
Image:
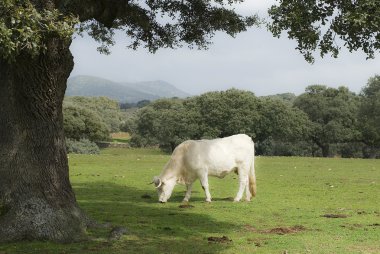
(120, 137)
(287, 216)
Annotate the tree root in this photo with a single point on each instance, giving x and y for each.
(36, 220)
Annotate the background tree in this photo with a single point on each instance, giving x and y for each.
(333, 115)
(105, 108)
(83, 123)
(35, 61)
(165, 122)
(369, 116)
(226, 113)
(219, 114)
(281, 128)
(279, 120)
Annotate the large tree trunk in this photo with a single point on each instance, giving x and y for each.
(36, 198)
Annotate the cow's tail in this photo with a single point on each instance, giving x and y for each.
(252, 178)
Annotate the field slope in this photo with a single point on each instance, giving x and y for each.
(295, 210)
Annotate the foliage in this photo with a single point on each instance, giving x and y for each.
(24, 29)
(225, 113)
(165, 122)
(107, 109)
(288, 97)
(164, 24)
(82, 123)
(273, 147)
(169, 122)
(369, 115)
(82, 146)
(282, 122)
(333, 113)
(325, 24)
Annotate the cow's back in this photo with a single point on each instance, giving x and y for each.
(217, 155)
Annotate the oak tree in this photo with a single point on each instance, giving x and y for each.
(327, 26)
(369, 116)
(36, 197)
(332, 113)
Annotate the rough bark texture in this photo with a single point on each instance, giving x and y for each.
(36, 198)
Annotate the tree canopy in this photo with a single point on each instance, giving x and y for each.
(333, 113)
(325, 25)
(369, 115)
(26, 24)
(169, 122)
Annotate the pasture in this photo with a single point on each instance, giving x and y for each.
(294, 211)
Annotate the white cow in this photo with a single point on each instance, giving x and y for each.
(194, 159)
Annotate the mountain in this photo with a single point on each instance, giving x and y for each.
(123, 92)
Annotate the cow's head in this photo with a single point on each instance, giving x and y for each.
(164, 188)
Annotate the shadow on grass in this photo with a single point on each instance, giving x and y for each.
(153, 227)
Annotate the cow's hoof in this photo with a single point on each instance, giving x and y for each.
(236, 200)
(161, 202)
(208, 201)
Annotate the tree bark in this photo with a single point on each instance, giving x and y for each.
(36, 197)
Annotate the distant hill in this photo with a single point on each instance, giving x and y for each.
(123, 92)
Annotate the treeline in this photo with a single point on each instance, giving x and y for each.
(322, 121)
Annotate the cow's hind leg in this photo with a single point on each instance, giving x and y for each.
(204, 183)
(243, 183)
(248, 194)
(188, 192)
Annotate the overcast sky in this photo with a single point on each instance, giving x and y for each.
(254, 61)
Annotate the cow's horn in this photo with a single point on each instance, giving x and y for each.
(159, 184)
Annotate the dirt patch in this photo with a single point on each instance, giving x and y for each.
(352, 226)
(146, 196)
(285, 230)
(278, 230)
(215, 239)
(185, 206)
(251, 228)
(334, 215)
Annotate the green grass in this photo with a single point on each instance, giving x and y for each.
(121, 137)
(291, 192)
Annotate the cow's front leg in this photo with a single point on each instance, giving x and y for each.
(243, 182)
(204, 183)
(188, 192)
